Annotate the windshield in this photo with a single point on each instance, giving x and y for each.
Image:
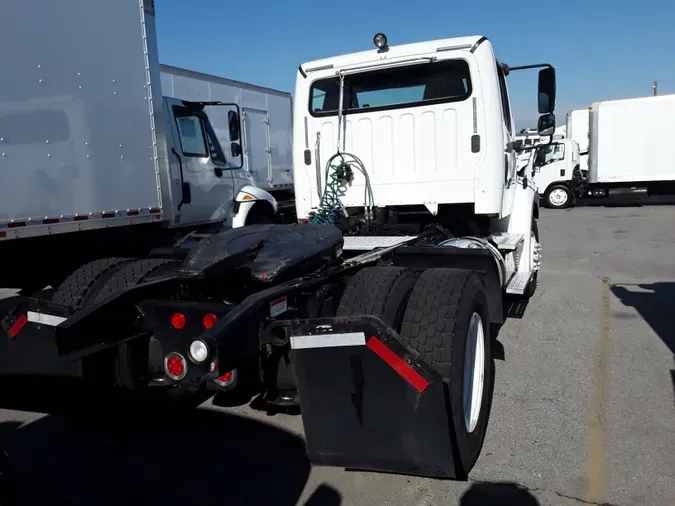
(409, 86)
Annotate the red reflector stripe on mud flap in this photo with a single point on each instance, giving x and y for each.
(398, 364)
(17, 326)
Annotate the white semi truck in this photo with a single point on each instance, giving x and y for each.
(96, 160)
(629, 151)
(375, 318)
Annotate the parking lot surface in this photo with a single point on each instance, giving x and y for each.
(583, 409)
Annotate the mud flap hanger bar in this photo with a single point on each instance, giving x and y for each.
(508, 69)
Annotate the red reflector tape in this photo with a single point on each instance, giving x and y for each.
(81, 218)
(16, 224)
(108, 215)
(3, 234)
(398, 364)
(50, 221)
(132, 213)
(17, 326)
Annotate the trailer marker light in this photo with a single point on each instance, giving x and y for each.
(16, 327)
(199, 351)
(175, 366)
(209, 320)
(398, 364)
(178, 320)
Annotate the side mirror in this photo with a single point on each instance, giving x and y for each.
(546, 124)
(235, 148)
(546, 99)
(518, 145)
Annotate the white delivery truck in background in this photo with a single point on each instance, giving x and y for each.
(631, 153)
(96, 160)
(266, 132)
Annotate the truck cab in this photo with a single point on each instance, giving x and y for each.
(431, 126)
(555, 170)
(208, 183)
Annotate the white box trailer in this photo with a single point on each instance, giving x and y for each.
(95, 159)
(631, 140)
(266, 119)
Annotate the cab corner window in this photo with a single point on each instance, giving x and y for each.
(192, 138)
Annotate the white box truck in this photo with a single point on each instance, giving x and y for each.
(266, 116)
(96, 160)
(630, 153)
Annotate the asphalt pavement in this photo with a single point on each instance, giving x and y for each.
(583, 409)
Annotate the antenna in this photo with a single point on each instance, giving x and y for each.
(655, 87)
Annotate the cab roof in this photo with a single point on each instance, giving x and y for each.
(394, 51)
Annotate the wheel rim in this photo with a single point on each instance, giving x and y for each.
(474, 372)
(558, 197)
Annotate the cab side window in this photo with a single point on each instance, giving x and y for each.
(191, 133)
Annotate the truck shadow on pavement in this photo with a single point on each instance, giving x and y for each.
(497, 494)
(151, 455)
(655, 302)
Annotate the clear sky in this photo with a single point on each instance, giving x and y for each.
(601, 49)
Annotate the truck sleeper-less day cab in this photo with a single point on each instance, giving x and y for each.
(94, 161)
(382, 340)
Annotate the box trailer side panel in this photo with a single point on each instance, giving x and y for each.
(265, 118)
(76, 130)
(635, 140)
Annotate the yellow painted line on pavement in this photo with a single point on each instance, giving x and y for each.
(596, 443)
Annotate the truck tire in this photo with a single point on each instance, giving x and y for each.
(558, 196)
(378, 291)
(448, 311)
(131, 275)
(76, 290)
(131, 358)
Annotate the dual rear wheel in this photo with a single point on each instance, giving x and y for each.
(443, 314)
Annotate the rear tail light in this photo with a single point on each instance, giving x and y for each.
(209, 320)
(175, 366)
(178, 320)
(226, 379)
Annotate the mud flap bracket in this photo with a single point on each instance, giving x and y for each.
(367, 401)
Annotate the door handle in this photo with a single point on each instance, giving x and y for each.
(185, 195)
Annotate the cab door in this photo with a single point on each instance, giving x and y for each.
(206, 184)
(550, 166)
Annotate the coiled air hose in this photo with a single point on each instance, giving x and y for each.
(338, 175)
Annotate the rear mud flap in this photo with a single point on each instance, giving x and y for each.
(29, 344)
(367, 401)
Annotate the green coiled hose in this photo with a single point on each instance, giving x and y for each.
(330, 205)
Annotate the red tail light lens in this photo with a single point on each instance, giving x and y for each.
(209, 320)
(175, 366)
(178, 320)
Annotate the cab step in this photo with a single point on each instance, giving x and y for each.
(367, 243)
(518, 283)
(506, 241)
